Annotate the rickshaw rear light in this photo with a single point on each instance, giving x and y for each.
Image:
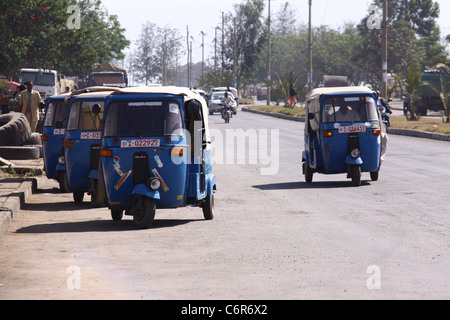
(44, 138)
(377, 131)
(177, 151)
(328, 134)
(68, 144)
(106, 153)
(61, 160)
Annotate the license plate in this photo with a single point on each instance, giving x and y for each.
(351, 129)
(59, 131)
(90, 135)
(140, 143)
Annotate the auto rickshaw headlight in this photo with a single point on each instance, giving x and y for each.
(61, 160)
(355, 153)
(153, 184)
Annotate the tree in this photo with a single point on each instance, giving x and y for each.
(412, 84)
(145, 64)
(157, 54)
(39, 34)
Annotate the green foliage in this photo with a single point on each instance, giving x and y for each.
(36, 33)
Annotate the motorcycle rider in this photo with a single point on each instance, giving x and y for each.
(226, 100)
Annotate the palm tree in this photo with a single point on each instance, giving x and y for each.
(412, 86)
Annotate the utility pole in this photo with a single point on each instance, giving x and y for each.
(268, 60)
(234, 55)
(310, 78)
(203, 52)
(188, 57)
(384, 53)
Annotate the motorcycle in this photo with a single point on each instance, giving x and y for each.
(385, 112)
(226, 112)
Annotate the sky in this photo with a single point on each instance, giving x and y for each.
(205, 15)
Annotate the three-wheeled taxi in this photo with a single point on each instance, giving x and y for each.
(156, 152)
(82, 142)
(55, 123)
(344, 133)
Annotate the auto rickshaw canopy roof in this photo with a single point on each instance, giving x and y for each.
(316, 93)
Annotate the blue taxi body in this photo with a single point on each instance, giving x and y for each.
(55, 124)
(82, 141)
(344, 133)
(155, 145)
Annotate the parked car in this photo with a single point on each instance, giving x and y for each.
(215, 102)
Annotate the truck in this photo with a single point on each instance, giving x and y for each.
(335, 81)
(46, 82)
(429, 99)
(109, 75)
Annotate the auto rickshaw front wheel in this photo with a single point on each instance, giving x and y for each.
(143, 209)
(355, 172)
(116, 214)
(308, 172)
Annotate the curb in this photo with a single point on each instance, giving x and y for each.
(402, 132)
(15, 200)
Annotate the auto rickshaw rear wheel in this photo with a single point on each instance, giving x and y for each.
(143, 209)
(116, 214)
(374, 175)
(208, 207)
(308, 173)
(78, 196)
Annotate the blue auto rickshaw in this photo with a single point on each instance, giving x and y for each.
(156, 153)
(344, 133)
(82, 142)
(55, 123)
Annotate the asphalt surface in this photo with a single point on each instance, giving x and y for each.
(273, 237)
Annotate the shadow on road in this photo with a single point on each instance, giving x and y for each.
(99, 226)
(304, 185)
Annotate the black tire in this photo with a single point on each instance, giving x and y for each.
(34, 139)
(374, 175)
(308, 173)
(63, 184)
(19, 153)
(208, 207)
(14, 129)
(356, 175)
(143, 209)
(78, 196)
(116, 214)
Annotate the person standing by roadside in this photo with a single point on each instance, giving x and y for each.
(29, 102)
(292, 99)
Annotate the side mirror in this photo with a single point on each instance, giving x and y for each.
(310, 116)
(96, 109)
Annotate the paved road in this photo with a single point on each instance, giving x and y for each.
(273, 236)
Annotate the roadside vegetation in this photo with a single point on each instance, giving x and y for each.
(427, 124)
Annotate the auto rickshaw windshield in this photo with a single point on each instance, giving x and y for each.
(349, 109)
(56, 111)
(143, 118)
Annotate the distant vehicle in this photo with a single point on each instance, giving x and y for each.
(47, 82)
(108, 75)
(108, 79)
(335, 81)
(215, 102)
(429, 99)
